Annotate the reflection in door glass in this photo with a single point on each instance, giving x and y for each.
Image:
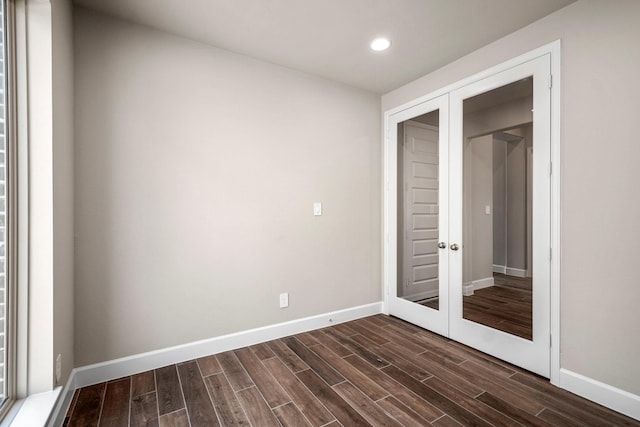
(498, 147)
(418, 258)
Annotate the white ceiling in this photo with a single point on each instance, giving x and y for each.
(330, 38)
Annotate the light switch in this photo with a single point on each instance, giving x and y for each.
(317, 208)
(487, 210)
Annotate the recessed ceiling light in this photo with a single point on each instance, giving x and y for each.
(381, 43)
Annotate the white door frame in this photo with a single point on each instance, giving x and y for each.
(434, 320)
(390, 197)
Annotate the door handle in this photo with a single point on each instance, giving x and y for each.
(454, 247)
(442, 245)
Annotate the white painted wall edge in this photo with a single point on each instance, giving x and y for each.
(487, 282)
(32, 410)
(499, 269)
(516, 272)
(613, 398)
(422, 295)
(117, 368)
(509, 271)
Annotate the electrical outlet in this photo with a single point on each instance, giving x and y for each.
(284, 300)
(58, 368)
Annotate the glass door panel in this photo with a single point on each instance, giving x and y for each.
(420, 228)
(500, 186)
(497, 282)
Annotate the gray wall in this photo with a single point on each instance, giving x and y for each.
(499, 202)
(196, 171)
(510, 176)
(478, 191)
(516, 205)
(600, 90)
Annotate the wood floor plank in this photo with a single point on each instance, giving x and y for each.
(330, 343)
(143, 383)
(115, 409)
(401, 412)
(438, 400)
(237, 376)
(175, 419)
(425, 409)
(358, 349)
(199, 406)
(406, 365)
(88, 406)
(144, 410)
(344, 413)
(209, 365)
(394, 321)
(326, 372)
(263, 351)
(169, 395)
(503, 390)
(556, 419)
(464, 354)
(74, 400)
(446, 421)
(362, 328)
(395, 339)
(357, 378)
(256, 408)
(225, 401)
(290, 359)
(366, 407)
(474, 406)
(439, 370)
(511, 411)
(433, 343)
(290, 416)
(307, 339)
(344, 329)
(268, 386)
(310, 406)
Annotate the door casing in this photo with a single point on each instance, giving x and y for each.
(403, 112)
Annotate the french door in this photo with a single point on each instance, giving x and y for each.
(468, 214)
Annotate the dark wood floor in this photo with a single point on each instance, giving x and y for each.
(374, 371)
(506, 306)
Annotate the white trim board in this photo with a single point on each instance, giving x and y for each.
(125, 366)
(509, 271)
(487, 282)
(614, 398)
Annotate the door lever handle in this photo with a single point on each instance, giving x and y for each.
(442, 245)
(454, 247)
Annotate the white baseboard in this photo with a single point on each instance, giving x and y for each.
(117, 368)
(614, 398)
(516, 272)
(510, 271)
(422, 295)
(481, 283)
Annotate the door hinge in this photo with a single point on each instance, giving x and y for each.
(550, 81)
(550, 168)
